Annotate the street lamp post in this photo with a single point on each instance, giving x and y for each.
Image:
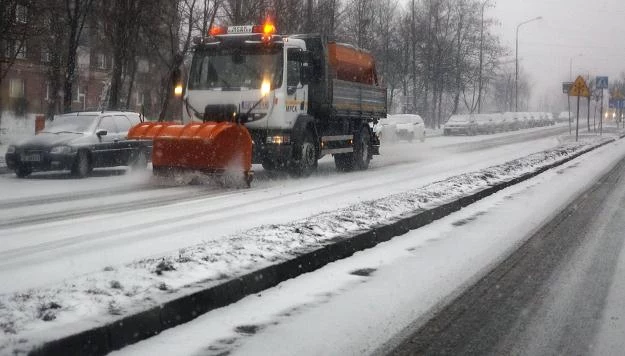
(516, 76)
(571, 66)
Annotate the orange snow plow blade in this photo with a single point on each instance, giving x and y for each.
(211, 148)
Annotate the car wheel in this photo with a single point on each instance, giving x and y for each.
(82, 165)
(422, 139)
(140, 161)
(22, 172)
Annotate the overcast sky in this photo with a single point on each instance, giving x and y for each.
(592, 32)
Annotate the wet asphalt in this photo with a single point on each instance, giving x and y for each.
(550, 296)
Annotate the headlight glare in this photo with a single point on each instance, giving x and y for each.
(278, 140)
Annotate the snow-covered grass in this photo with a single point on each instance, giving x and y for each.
(33, 316)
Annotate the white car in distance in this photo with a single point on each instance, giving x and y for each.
(393, 128)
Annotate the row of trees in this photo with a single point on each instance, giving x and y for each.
(437, 57)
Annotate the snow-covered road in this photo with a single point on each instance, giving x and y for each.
(367, 303)
(52, 228)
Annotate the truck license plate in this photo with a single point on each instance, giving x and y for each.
(31, 157)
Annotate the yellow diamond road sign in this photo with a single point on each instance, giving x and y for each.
(579, 88)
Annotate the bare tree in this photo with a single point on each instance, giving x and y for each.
(16, 28)
(123, 21)
(76, 12)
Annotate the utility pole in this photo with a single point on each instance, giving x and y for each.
(516, 76)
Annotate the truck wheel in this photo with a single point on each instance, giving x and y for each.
(268, 165)
(82, 165)
(306, 163)
(362, 155)
(359, 159)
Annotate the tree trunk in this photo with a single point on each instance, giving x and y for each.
(133, 72)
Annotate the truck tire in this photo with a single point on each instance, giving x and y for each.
(362, 151)
(306, 161)
(268, 165)
(360, 158)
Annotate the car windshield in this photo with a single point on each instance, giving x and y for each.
(236, 68)
(71, 124)
(401, 120)
(459, 118)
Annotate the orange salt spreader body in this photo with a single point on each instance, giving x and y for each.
(352, 64)
(210, 147)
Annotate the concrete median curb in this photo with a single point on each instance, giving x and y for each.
(133, 328)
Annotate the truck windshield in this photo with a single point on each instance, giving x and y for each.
(235, 68)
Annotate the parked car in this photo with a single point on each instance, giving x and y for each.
(531, 119)
(465, 124)
(515, 120)
(500, 122)
(485, 123)
(550, 119)
(401, 127)
(80, 142)
(564, 116)
(541, 119)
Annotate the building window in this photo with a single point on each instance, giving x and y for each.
(15, 49)
(21, 13)
(19, 49)
(101, 61)
(45, 55)
(16, 89)
(77, 96)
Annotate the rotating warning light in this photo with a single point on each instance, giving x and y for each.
(217, 30)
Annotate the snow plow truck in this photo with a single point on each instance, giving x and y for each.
(283, 101)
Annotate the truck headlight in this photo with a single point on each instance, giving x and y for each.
(61, 150)
(278, 140)
(11, 149)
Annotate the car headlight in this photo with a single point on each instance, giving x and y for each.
(61, 150)
(11, 149)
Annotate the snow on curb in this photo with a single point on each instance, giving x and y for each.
(117, 302)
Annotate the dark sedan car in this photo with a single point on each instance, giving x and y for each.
(80, 142)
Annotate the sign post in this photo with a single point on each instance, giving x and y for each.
(602, 83)
(566, 87)
(579, 89)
